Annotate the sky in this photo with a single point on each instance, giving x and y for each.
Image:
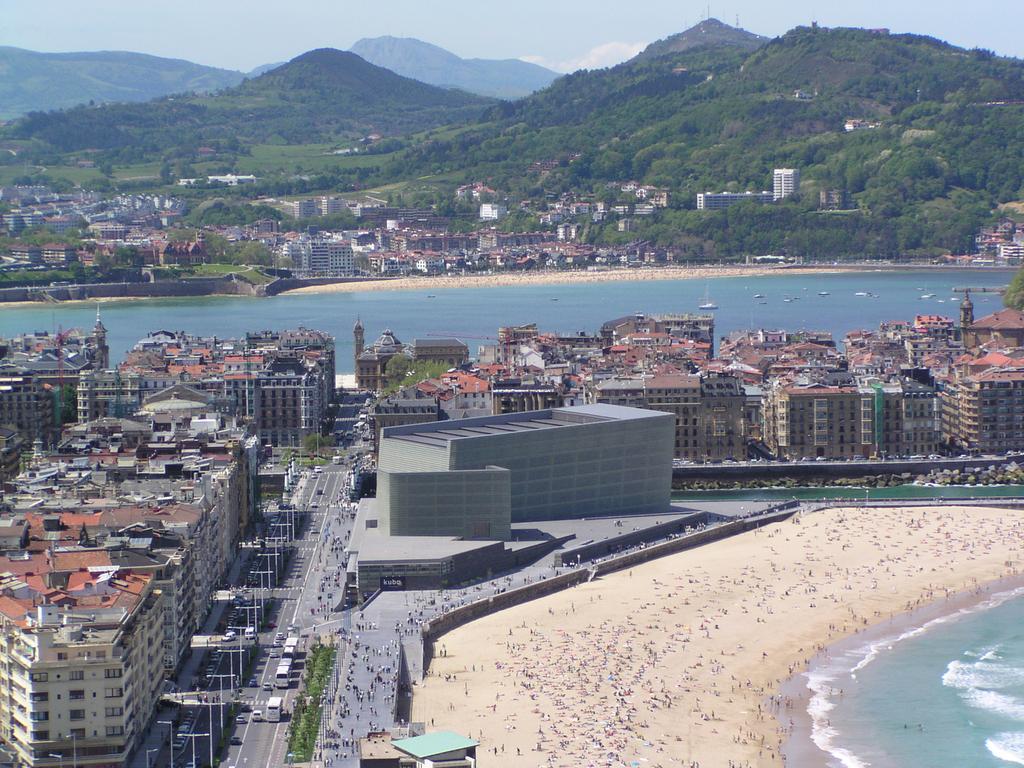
(564, 35)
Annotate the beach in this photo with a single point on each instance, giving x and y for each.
(561, 277)
(679, 662)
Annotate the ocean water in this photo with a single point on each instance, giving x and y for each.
(474, 314)
(946, 692)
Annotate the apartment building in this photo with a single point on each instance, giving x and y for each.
(709, 410)
(714, 201)
(82, 670)
(785, 183)
(984, 412)
(817, 421)
(869, 418)
(27, 405)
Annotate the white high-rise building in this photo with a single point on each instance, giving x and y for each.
(786, 183)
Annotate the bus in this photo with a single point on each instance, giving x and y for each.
(283, 676)
(291, 648)
(274, 706)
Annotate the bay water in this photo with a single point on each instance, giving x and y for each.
(474, 314)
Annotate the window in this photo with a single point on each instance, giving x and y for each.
(115, 730)
(115, 711)
(77, 714)
(75, 695)
(40, 735)
(61, 656)
(39, 717)
(111, 673)
(77, 674)
(39, 677)
(78, 733)
(41, 696)
(113, 693)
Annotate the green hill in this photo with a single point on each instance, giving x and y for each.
(319, 96)
(31, 81)
(948, 146)
(710, 32)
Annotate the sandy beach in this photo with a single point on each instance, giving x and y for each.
(679, 662)
(513, 279)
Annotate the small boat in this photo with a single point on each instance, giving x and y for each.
(860, 293)
(942, 301)
(758, 295)
(787, 300)
(765, 303)
(824, 293)
(431, 296)
(554, 298)
(707, 303)
(927, 295)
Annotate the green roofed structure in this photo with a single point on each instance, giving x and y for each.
(446, 747)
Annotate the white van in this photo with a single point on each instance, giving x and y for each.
(250, 633)
(257, 715)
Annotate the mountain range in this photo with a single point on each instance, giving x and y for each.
(322, 95)
(503, 79)
(920, 140)
(32, 81)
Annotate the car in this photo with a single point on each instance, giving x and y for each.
(257, 715)
(253, 682)
(236, 741)
(275, 653)
(241, 719)
(267, 687)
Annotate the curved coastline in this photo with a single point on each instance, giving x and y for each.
(674, 661)
(812, 739)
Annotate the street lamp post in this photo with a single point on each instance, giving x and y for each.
(195, 736)
(148, 753)
(170, 736)
(59, 757)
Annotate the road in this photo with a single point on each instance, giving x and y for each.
(298, 598)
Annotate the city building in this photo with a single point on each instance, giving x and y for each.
(27, 405)
(709, 410)
(320, 256)
(984, 412)
(848, 419)
(785, 183)
(492, 212)
(1005, 327)
(82, 669)
(473, 477)
(714, 201)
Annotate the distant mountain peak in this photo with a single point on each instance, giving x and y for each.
(709, 32)
(428, 63)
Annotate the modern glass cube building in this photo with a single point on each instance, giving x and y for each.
(472, 478)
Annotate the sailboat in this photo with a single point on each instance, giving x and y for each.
(707, 303)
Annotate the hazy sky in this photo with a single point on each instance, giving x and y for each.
(562, 34)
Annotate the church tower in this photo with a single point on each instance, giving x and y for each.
(359, 338)
(966, 311)
(99, 338)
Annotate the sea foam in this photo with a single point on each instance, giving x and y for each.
(1007, 746)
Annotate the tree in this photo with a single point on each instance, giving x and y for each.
(68, 404)
(312, 443)
(1014, 297)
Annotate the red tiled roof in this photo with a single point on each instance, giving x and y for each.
(1004, 319)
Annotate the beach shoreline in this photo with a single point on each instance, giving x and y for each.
(537, 278)
(799, 747)
(674, 660)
